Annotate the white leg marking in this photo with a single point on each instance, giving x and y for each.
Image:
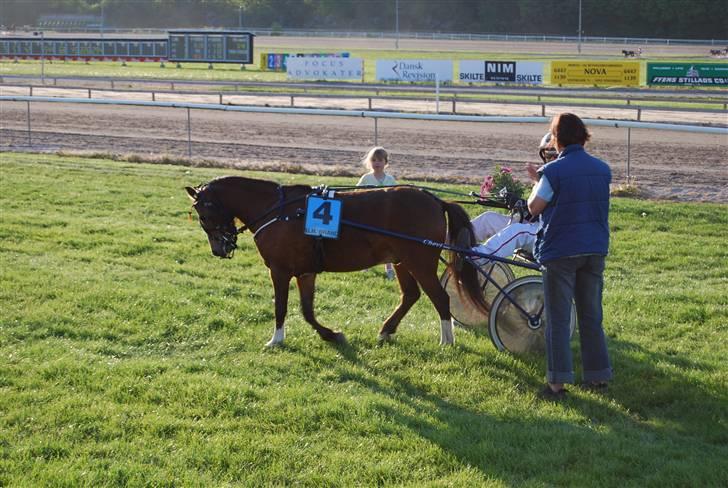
(446, 334)
(278, 336)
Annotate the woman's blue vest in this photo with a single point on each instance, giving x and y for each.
(576, 220)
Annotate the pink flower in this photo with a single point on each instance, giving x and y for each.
(487, 186)
(506, 169)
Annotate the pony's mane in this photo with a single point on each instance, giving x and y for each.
(242, 180)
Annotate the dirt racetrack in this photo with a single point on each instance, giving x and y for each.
(664, 164)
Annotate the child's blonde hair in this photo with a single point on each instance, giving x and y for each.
(377, 152)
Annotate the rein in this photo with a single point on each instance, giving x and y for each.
(500, 200)
(496, 200)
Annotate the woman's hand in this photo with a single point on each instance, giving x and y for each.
(532, 170)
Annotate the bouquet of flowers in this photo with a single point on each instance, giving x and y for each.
(502, 178)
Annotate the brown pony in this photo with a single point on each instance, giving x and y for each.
(272, 213)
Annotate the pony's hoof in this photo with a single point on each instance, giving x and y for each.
(277, 339)
(385, 337)
(447, 342)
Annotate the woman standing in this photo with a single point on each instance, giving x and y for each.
(572, 202)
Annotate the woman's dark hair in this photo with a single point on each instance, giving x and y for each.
(568, 129)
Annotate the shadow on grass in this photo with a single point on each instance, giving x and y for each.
(654, 426)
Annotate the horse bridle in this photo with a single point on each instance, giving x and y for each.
(228, 232)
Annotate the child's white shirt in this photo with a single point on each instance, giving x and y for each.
(370, 180)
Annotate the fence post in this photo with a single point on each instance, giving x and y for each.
(189, 135)
(220, 98)
(639, 114)
(89, 93)
(30, 138)
(376, 132)
(291, 100)
(629, 151)
(154, 97)
(543, 110)
(112, 84)
(31, 90)
(453, 105)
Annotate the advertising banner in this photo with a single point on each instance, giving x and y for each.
(279, 61)
(413, 70)
(526, 72)
(611, 73)
(310, 68)
(687, 74)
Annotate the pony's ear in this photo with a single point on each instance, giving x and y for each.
(192, 192)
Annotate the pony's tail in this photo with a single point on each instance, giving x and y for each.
(461, 235)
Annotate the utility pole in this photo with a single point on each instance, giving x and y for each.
(578, 46)
(396, 23)
(42, 55)
(42, 58)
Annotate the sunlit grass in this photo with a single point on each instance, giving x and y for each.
(130, 356)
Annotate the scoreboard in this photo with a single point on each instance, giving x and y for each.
(200, 46)
(179, 45)
(84, 48)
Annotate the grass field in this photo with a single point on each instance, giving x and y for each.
(130, 356)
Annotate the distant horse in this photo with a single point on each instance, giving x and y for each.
(632, 54)
(271, 211)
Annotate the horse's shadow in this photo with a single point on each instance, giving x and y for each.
(487, 440)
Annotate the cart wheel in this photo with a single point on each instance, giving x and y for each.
(464, 312)
(510, 330)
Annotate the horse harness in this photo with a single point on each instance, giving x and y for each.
(229, 233)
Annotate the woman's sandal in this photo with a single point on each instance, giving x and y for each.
(594, 386)
(553, 396)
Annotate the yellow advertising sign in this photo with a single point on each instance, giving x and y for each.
(624, 73)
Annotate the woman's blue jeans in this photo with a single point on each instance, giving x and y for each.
(581, 279)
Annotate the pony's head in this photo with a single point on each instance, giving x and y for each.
(217, 222)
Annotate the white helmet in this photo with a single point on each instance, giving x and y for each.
(546, 151)
(545, 141)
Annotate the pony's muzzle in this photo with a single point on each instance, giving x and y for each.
(224, 247)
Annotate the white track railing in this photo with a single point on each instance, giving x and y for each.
(375, 115)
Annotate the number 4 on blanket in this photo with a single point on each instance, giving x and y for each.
(323, 217)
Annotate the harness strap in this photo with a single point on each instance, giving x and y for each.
(271, 221)
(318, 254)
(280, 205)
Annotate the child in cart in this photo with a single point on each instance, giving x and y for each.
(501, 233)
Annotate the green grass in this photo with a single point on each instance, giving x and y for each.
(232, 72)
(130, 356)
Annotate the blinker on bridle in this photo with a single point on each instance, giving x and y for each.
(228, 232)
(229, 237)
